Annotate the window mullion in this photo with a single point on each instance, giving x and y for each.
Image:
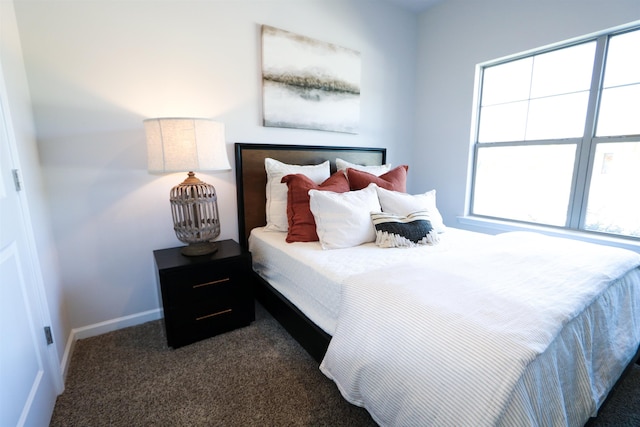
(586, 148)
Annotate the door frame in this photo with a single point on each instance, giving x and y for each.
(40, 304)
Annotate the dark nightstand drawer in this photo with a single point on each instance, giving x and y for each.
(187, 326)
(206, 282)
(207, 295)
(212, 314)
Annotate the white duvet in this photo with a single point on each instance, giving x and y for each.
(447, 340)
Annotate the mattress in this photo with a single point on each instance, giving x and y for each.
(311, 278)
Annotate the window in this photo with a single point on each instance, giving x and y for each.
(557, 140)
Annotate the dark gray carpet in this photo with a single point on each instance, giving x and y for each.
(254, 376)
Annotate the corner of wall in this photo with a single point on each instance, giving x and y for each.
(103, 328)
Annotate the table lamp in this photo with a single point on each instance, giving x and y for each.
(189, 145)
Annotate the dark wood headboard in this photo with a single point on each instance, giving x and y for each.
(251, 177)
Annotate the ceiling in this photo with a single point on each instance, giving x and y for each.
(416, 5)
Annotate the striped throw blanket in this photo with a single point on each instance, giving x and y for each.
(443, 342)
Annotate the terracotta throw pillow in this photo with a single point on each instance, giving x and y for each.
(276, 191)
(394, 180)
(302, 226)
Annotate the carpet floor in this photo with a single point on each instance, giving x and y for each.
(254, 376)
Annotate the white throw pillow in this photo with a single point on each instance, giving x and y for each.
(276, 207)
(343, 220)
(377, 170)
(405, 204)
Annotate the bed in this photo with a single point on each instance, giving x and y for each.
(414, 354)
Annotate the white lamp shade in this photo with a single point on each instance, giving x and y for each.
(185, 144)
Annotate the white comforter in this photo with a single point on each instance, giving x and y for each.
(445, 341)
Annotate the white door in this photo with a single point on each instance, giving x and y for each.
(28, 385)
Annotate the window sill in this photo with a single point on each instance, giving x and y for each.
(494, 226)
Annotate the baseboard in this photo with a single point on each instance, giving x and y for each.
(102, 328)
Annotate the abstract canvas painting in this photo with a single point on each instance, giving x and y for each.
(309, 84)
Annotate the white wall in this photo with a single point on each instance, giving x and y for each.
(18, 99)
(96, 69)
(454, 36)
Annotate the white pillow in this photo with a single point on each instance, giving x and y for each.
(377, 170)
(404, 204)
(344, 219)
(276, 207)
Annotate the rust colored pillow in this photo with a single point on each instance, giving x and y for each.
(302, 226)
(394, 180)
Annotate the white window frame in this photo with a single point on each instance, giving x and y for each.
(585, 151)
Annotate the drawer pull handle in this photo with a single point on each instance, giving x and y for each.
(229, 310)
(215, 282)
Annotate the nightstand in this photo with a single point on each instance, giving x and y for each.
(205, 295)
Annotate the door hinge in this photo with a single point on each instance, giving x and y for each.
(47, 334)
(16, 179)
